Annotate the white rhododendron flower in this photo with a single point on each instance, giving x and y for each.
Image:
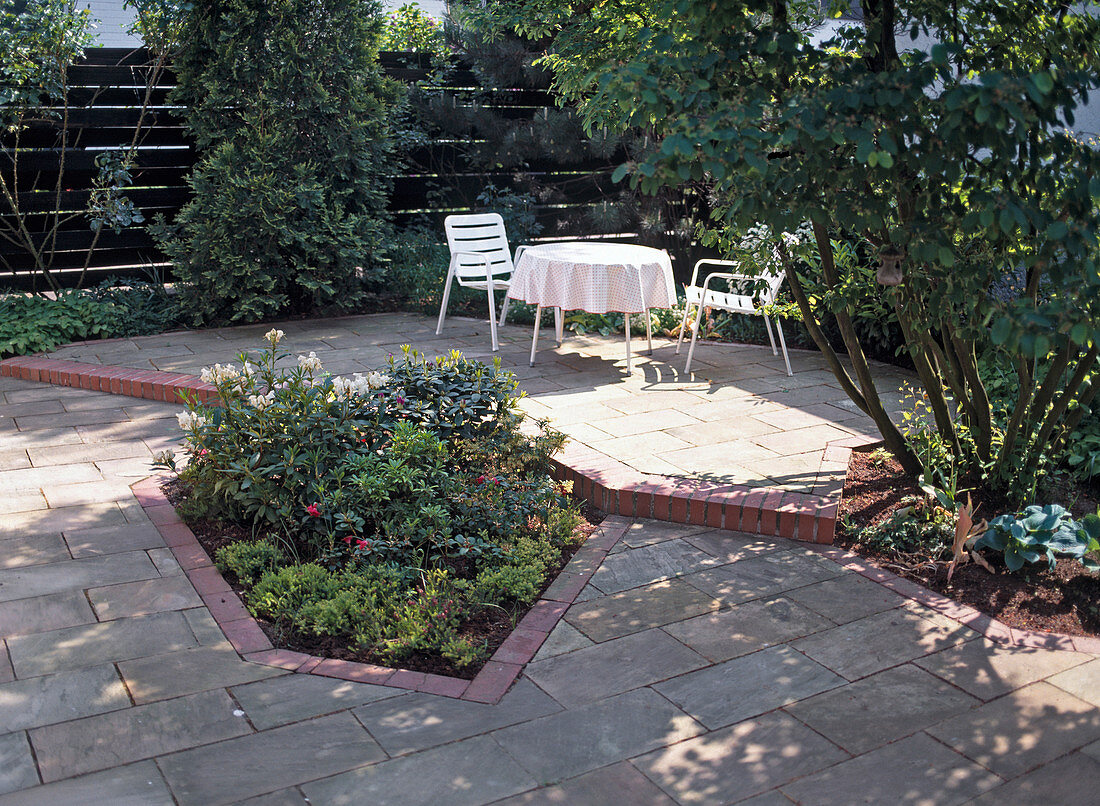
(261, 402)
(219, 373)
(376, 380)
(274, 336)
(248, 369)
(310, 363)
(189, 420)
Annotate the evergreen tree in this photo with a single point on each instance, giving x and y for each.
(291, 114)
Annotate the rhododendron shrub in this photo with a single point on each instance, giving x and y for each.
(420, 466)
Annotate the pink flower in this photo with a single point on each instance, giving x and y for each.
(313, 510)
(362, 544)
(348, 540)
(480, 480)
(400, 400)
(497, 482)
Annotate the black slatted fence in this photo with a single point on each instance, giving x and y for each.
(52, 185)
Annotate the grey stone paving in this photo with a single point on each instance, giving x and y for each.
(699, 667)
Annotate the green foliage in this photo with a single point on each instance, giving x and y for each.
(859, 136)
(34, 324)
(248, 560)
(922, 526)
(39, 40)
(142, 307)
(410, 28)
(1041, 533)
(291, 113)
(419, 472)
(375, 608)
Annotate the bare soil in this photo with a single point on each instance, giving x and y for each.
(489, 626)
(1065, 600)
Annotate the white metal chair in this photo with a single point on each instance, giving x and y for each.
(703, 297)
(480, 258)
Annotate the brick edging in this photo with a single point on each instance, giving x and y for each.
(607, 483)
(252, 644)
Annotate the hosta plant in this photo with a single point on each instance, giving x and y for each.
(1042, 533)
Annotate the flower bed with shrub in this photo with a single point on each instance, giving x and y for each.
(1033, 568)
(398, 516)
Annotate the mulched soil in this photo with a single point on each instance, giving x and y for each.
(1065, 600)
(490, 626)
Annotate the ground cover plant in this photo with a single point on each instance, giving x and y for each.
(380, 515)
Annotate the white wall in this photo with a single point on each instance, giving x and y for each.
(114, 20)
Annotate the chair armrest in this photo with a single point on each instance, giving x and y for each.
(519, 251)
(709, 262)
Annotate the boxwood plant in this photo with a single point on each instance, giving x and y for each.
(386, 508)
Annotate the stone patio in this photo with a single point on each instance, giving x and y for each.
(697, 667)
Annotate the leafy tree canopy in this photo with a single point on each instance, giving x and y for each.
(935, 130)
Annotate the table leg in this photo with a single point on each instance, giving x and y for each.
(535, 335)
(626, 317)
(559, 324)
(649, 331)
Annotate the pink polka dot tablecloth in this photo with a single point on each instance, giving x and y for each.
(594, 277)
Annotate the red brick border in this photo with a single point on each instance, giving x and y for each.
(247, 637)
(608, 484)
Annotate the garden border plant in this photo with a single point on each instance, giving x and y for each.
(386, 510)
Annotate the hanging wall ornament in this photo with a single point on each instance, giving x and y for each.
(889, 269)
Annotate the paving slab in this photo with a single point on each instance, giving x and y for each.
(1072, 780)
(39, 580)
(846, 598)
(642, 566)
(1081, 681)
(732, 546)
(603, 733)
(466, 773)
(143, 597)
(112, 540)
(740, 761)
(138, 784)
(882, 708)
(748, 686)
(60, 697)
(639, 609)
(612, 667)
(615, 785)
(1022, 730)
(646, 532)
(21, 551)
(17, 769)
(886, 639)
(747, 627)
(120, 737)
(174, 674)
(92, 644)
(988, 670)
(418, 721)
(917, 771)
(563, 638)
(45, 613)
(47, 521)
(265, 762)
(767, 574)
(295, 697)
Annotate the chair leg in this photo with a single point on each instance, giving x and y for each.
(504, 308)
(694, 336)
(535, 335)
(768, 325)
(783, 344)
(492, 315)
(683, 324)
(446, 299)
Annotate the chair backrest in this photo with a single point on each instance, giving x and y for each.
(481, 234)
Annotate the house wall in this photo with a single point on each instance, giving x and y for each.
(114, 20)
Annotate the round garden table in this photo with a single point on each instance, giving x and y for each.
(595, 277)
